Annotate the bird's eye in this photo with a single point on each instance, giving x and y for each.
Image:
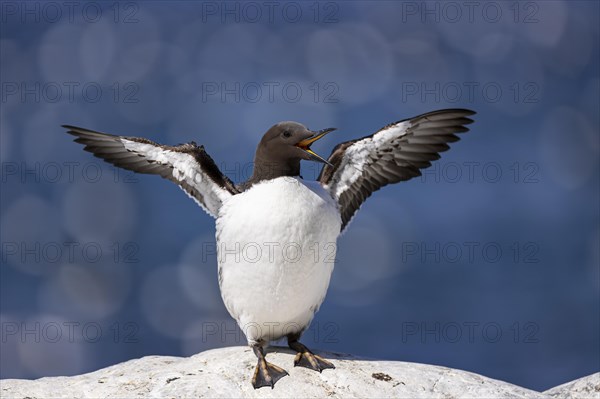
(287, 133)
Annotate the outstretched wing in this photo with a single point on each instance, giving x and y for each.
(187, 165)
(395, 153)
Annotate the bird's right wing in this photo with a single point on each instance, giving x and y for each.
(187, 165)
(395, 153)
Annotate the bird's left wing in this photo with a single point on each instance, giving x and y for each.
(187, 165)
(395, 153)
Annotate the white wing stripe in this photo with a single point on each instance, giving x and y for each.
(184, 170)
(361, 154)
(391, 133)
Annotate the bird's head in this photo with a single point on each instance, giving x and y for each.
(289, 143)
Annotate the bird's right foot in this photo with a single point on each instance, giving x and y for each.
(265, 374)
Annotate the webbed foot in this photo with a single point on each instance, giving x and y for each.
(305, 358)
(265, 374)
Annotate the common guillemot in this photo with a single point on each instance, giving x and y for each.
(271, 292)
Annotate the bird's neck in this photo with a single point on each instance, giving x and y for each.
(268, 169)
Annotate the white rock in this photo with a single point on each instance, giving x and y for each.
(583, 388)
(227, 372)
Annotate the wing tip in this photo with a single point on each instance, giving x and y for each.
(467, 111)
(72, 130)
(464, 112)
(81, 132)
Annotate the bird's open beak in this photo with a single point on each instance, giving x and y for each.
(306, 143)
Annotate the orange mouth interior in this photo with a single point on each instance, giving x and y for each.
(305, 144)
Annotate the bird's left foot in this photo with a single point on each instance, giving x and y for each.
(312, 361)
(305, 358)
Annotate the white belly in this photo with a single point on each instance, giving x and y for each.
(276, 247)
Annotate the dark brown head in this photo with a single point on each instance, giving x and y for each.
(283, 147)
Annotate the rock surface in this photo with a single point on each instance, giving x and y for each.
(586, 387)
(227, 372)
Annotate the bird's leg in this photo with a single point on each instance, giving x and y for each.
(265, 374)
(305, 358)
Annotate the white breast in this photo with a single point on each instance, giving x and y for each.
(276, 246)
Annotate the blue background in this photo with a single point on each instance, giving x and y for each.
(524, 181)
